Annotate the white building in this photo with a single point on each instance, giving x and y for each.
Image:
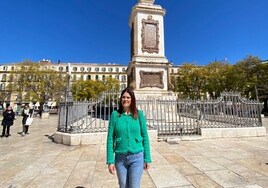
(85, 71)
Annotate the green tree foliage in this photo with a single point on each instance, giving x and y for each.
(262, 84)
(37, 83)
(90, 89)
(111, 84)
(246, 73)
(216, 78)
(189, 81)
(247, 76)
(6, 92)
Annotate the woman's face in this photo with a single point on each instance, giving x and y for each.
(126, 100)
(9, 108)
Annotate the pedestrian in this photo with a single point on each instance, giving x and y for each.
(25, 114)
(40, 111)
(128, 146)
(8, 120)
(15, 109)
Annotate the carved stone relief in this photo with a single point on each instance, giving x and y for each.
(150, 35)
(151, 79)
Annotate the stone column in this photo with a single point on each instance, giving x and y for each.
(148, 68)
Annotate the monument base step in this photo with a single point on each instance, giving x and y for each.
(233, 132)
(89, 138)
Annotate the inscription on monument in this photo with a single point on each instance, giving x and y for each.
(150, 35)
(151, 79)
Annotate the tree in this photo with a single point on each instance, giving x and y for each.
(216, 78)
(90, 89)
(37, 83)
(262, 84)
(5, 93)
(246, 72)
(189, 81)
(86, 89)
(195, 81)
(111, 84)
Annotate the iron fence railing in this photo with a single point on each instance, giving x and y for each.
(168, 115)
(87, 116)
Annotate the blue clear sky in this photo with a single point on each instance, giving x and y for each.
(97, 31)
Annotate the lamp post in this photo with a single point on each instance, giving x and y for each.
(68, 99)
(69, 96)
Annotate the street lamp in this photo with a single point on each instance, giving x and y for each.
(68, 99)
(69, 96)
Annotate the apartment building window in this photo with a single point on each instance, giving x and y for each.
(74, 69)
(123, 78)
(89, 69)
(88, 77)
(12, 68)
(5, 68)
(110, 69)
(117, 77)
(103, 77)
(60, 68)
(123, 86)
(2, 87)
(103, 69)
(97, 77)
(82, 69)
(4, 77)
(97, 69)
(117, 70)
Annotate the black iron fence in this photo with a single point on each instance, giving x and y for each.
(168, 115)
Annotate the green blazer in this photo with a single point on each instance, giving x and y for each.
(126, 134)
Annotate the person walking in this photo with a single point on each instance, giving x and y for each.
(128, 146)
(8, 120)
(25, 114)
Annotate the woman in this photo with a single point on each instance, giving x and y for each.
(25, 114)
(128, 139)
(8, 120)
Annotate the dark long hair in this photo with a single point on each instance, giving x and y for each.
(133, 109)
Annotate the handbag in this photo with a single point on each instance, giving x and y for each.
(29, 120)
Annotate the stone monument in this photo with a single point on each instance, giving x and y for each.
(148, 69)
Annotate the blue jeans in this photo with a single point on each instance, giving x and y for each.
(129, 168)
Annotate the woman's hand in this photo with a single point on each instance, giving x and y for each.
(146, 166)
(111, 168)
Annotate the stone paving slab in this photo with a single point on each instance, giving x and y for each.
(35, 161)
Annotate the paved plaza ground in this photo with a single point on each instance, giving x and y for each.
(36, 161)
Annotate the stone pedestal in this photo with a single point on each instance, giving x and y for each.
(148, 70)
(90, 138)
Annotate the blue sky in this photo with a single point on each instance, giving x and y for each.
(90, 31)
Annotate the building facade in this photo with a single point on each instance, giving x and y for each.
(78, 71)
